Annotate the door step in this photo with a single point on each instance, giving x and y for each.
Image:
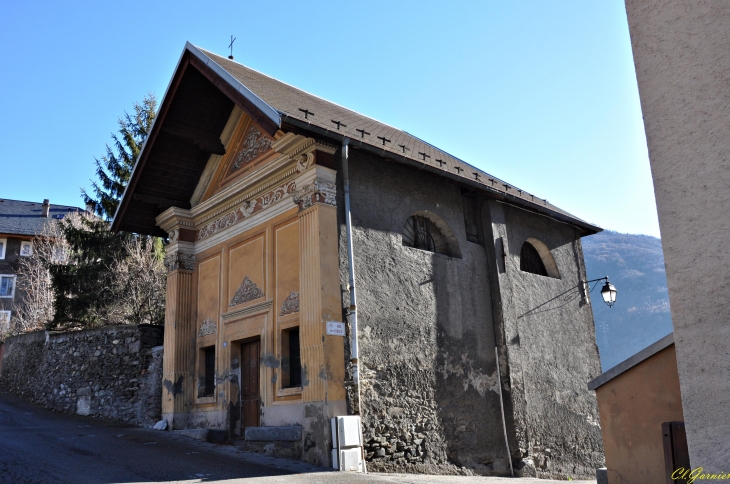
(285, 441)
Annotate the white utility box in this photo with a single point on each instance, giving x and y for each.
(347, 444)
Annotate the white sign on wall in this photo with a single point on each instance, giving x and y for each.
(335, 328)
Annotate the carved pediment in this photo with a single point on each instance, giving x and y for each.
(290, 304)
(254, 143)
(209, 326)
(247, 291)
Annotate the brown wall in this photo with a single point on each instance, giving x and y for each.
(632, 407)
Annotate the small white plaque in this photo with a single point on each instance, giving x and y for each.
(335, 328)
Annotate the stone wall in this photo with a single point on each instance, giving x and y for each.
(429, 323)
(430, 402)
(113, 372)
(549, 348)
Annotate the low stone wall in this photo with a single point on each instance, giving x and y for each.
(113, 372)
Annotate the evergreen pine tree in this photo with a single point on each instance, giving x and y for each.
(110, 278)
(84, 286)
(115, 167)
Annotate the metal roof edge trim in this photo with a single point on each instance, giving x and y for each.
(262, 105)
(590, 228)
(632, 361)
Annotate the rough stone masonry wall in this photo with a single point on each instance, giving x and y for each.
(550, 348)
(113, 372)
(428, 374)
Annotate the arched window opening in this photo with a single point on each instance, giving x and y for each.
(530, 260)
(427, 231)
(536, 258)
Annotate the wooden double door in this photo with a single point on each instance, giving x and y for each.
(250, 393)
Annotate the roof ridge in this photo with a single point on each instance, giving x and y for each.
(302, 90)
(275, 93)
(39, 203)
(209, 53)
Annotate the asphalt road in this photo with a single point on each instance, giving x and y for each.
(39, 446)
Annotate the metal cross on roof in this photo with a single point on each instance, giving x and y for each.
(362, 132)
(458, 169)
(404, 148)
(339, 123)
(440, 162)
(424, 155)
(230, 46)
(306, 112)
(384, 139)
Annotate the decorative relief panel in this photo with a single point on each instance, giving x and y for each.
(316, 192)
(304, 161)
(179, 260)
(290, 304)
(208, 327)
(247, 291)
(246, 210)
(254, 144)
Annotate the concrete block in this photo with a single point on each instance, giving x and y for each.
(83, 406)
(291, 433)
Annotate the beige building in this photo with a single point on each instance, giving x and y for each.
(682, 56)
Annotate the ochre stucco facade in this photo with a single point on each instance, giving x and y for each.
(252, 278)
(633, 407)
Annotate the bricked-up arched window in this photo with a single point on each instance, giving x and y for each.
(426, 231)
(536, 258)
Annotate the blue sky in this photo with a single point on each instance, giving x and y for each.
(540, 94)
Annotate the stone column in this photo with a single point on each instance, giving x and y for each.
(178, 358)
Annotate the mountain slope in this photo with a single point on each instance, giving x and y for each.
(635, 265)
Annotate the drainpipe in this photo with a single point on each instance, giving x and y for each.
(354, 348)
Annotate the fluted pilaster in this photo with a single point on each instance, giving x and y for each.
(179, 356)
(322, 355)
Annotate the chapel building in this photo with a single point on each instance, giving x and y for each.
(470, 293)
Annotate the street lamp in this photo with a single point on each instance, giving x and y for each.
(608, 291)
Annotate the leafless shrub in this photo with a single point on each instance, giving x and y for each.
(35, 301)
(141, 281)
(137, 295)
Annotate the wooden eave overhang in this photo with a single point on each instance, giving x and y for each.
(185, 133)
